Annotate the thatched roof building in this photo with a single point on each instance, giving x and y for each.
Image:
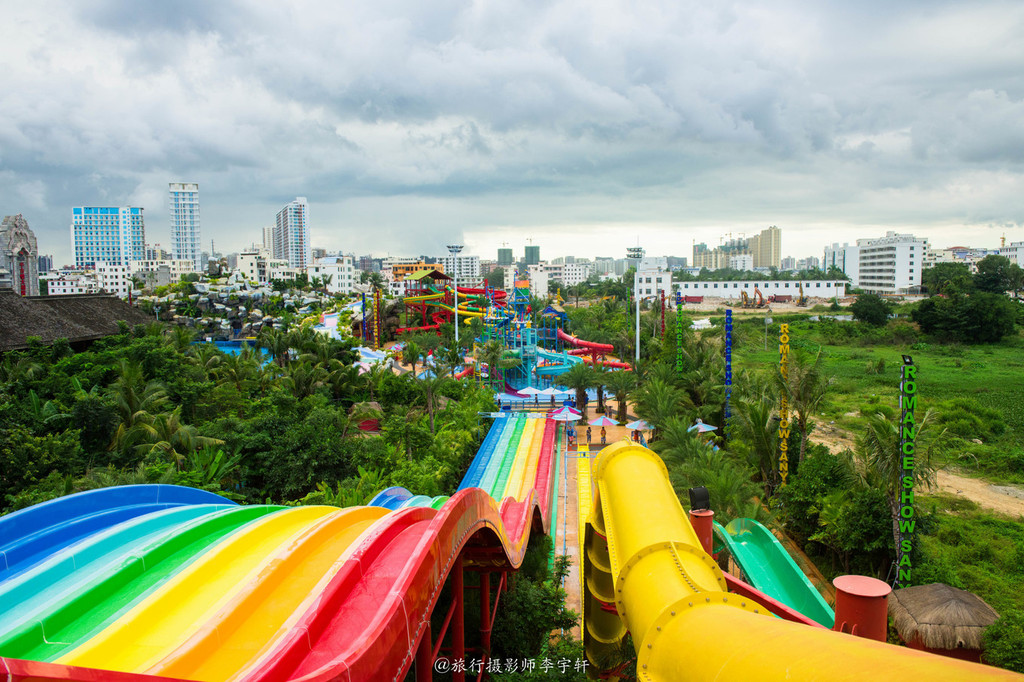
(941, 619)
(75, 318)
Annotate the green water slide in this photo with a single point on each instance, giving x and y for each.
(770, 569)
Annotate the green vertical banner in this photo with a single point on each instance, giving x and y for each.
(784, 405)
(908, 447)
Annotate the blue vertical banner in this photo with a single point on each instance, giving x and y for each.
(728, 371)
(364, 320)
(679, 335)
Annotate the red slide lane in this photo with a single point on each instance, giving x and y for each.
(580, 343)
(368, 621)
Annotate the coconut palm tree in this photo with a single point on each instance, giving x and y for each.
(880, 462)
(805, 389)
(621, 384)
(135, 401)
(411, 355)
(179, 337)
(579, 378)
(657, 401)
(167, 435)
(276, 342)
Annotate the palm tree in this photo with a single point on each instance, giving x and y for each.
(167, 434)
(431, 385)
(600, 375)
(276, 342)
(179, 337)
(214, 466)
(805, 389)
(756, 436)
(880, 462)
(657, 401)
(206, 356)
(304, 378)
(621, 384)
(411, 355)
(134, 401)
(579, 378)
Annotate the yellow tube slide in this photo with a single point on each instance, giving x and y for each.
(642, 553)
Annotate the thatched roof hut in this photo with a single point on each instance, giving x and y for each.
(77, 318)
(941, 619)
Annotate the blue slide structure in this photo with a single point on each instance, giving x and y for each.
(770, 569)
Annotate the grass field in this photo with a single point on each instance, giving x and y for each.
(866, 380)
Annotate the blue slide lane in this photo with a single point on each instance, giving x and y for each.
(484, 454)
(77, 565)
(29, 535)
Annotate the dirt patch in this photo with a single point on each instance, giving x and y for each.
(832, 437)
(1004, 499)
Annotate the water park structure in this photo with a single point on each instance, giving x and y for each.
(161, 582)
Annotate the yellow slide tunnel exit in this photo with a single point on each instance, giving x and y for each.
(646, 573)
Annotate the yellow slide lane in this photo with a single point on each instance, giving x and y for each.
(584, 501)
(233, 639)
(515, 477)
(156, 626)
(524, 476)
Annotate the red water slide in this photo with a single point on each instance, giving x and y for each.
(593, 350)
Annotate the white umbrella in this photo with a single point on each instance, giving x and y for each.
(551, 390)
(530, 390)
(701, 427)
(565, 417)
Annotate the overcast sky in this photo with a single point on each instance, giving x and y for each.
(586, 125)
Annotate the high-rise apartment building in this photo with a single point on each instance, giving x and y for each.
(505, 257)
(532, 255)
(268, 240)
(765, 248)
(184, 211)
(291, 234)
(107, 234)
(45, 264)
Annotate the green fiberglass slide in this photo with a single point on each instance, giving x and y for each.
(771, 570)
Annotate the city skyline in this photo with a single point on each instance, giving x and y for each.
(588, 129)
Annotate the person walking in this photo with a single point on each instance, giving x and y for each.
(588, 435)
(604, 435)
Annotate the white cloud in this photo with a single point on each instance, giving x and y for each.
(410, 123)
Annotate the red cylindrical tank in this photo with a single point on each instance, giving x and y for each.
(702, 521)
(862, 606)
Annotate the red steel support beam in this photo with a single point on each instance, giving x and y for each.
(424, 657)
(459, 620)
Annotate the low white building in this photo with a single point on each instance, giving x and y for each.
(175, 268)
(733, 288)
(339, 269)
(1015, 252)
(114, 279)
(538, 280)
(652, 279)
(741, 262)
(71, 284)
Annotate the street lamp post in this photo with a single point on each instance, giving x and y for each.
(636, 253)
(454, 250)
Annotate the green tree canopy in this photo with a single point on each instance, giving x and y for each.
(871, 309)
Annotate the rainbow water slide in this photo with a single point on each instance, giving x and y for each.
(770, 569)
(646, 574)
(127, 582)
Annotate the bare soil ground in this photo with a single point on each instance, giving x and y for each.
(1004, 499)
